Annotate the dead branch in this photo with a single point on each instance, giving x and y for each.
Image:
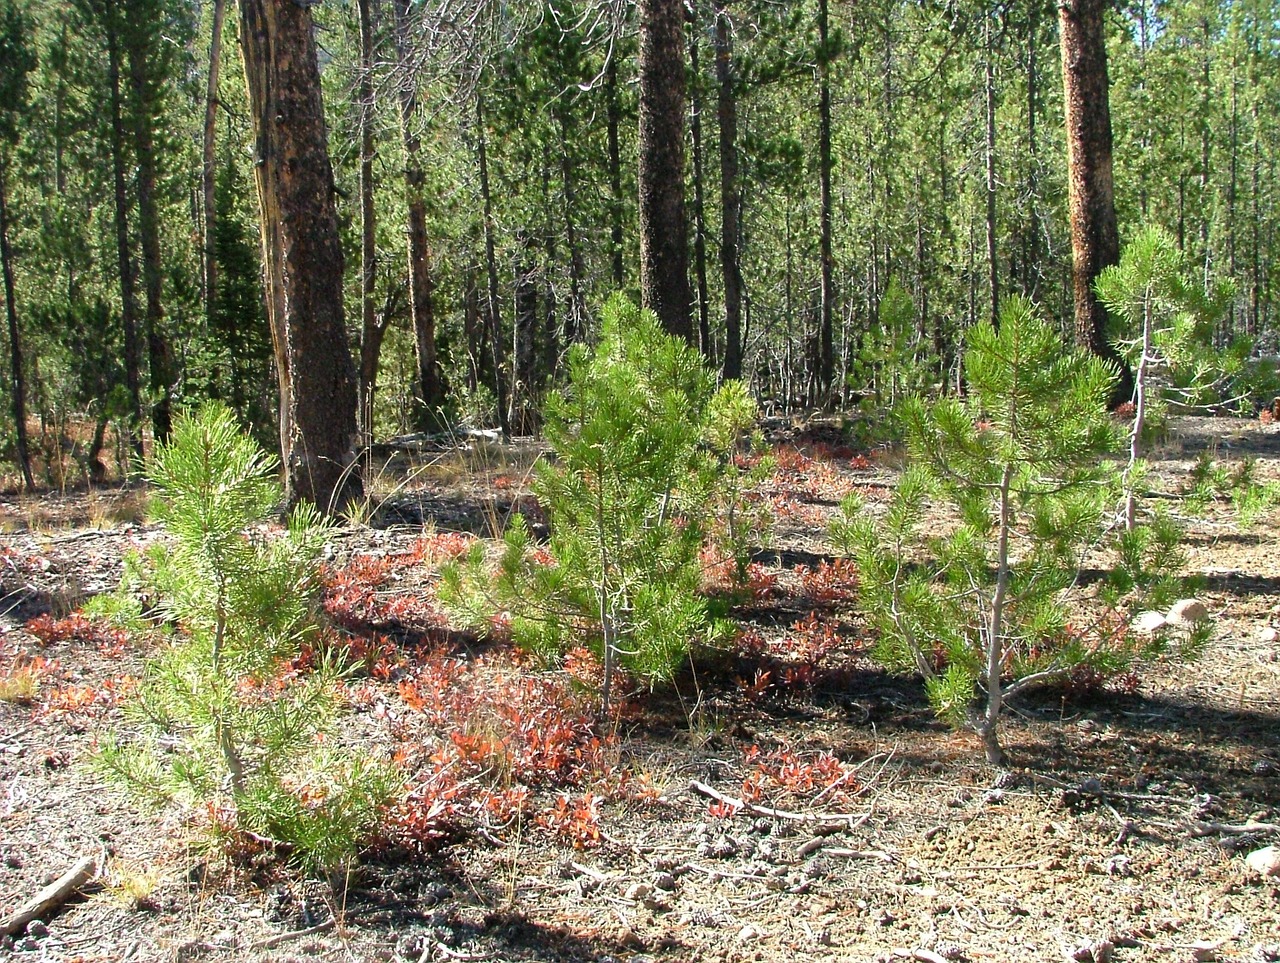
(279, 938)
(832, 820)
(1209, 828)
(51, 897)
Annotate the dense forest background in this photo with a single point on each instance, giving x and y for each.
(502, 137)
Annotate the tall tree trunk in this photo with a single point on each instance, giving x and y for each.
(370, 329)
(575, 321)
(524, 331)
(664, 235)
(15, 337)
(160, 358)
(826, 348)
(705, 342)
(302, 253)
(491, 265)
(1095, 243)
(124, 256)
(989, 96)
(727, 114)
(208, 168)
(613, 120)
(430, 383)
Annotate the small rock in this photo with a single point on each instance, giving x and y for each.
(1147, 622)
(1099, 952)
(638, 892)
(665, 881)
(1203, 951)
(748, 933)
(1268, 634)
(37, 928)
(1264, 862)
(1185, 611)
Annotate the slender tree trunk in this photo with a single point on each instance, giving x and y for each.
(370, 328)
(1095, 243)
(826, 348)
(575, 322)
(989, 92)
(208, 168)
(430, 382)
(302, 253)
(727, 114)
(491, 263)
(524, 328)
(705, 342)
(124, 257)
(15, 337)
(613, 119)
(664, 254)
(1031, 252)
(159, 351)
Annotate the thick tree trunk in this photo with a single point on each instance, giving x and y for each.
(208, 167)
(664, 236)
(430, 383)
(124, 257)
(826, 347)
(705, 342)
(302, 254)
(727, 114)
(1095, 242)
(163, 368)
(15, 336)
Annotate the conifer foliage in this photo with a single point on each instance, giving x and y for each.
(227, 719)
(979, 612)
(644, 446)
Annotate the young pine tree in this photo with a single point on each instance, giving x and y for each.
(979, 613)
(643, 462)
(217, 723)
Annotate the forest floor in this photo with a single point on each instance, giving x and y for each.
(1118, 832)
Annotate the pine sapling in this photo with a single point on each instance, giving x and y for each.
(221, 720)
(979, 613)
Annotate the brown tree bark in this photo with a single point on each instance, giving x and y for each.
(727, 114)
(664, 254)
(124, 256)
(371, 327)
(491, 269)
(15, 335)
(430, 383)
(208, 166)
(302, 255)
(826, 345)
(1095, 241)
(160, 359)
(613, 120)
(705, 342)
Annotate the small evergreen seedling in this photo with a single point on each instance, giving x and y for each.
(979, 613)
(644, 447)
(219, 723)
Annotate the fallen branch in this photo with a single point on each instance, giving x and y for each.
(1208, 829)
(926, 956)
(858, 853)
(279, 938)
(832, 820)
(51, 897)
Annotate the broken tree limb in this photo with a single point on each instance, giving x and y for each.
(1209, 829)
(51, 897)
(832, 820)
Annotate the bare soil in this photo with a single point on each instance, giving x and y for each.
(1118, 832)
